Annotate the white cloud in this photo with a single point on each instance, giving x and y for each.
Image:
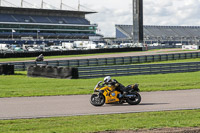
(174, 12)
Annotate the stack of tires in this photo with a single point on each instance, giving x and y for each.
(6, 69)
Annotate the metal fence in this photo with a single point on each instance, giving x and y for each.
(125, 70)
(22, 66)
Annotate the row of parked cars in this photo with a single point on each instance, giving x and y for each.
(76, 45)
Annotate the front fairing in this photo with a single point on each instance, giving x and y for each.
(109, 92)
(100, 87)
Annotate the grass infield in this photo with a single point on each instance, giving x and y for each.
(20, 85)
(95, 123)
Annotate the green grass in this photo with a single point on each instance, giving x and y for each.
(174, 61)
(95, 123)
(20, 85)
(180, 51)
(57, 57)
(46, 57)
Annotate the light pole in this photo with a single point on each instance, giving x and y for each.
(22, 2)
(188, 40)
(38, 34)
(157, 39)
(182, 40)
(79, 5)
(195, 40)
(61, 3)
(42, 4)
(172, 40)
(13, 33)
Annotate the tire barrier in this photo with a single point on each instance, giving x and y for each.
(52, 72)
(68, 52)
(6, 69)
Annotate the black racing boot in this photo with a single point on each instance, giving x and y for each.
(124, 94)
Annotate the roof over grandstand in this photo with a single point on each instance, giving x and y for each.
(125, 31)
(39, 11)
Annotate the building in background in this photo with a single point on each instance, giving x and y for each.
(162, 34)
(28, 25)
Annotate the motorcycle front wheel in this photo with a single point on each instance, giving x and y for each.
(97, 100)
(135, 100)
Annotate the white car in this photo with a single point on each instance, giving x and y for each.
(56, 48)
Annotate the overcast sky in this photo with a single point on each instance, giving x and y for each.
(111, 12)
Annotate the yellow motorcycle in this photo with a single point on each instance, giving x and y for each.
(107, 95)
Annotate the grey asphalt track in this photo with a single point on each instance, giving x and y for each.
(55, 106)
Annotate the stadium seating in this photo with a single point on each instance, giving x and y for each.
(46, 35)
(161, 31)
(40, 19)
(21, 24)
(7, 18)
(43, 19)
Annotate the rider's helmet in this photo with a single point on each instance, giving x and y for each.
(107, 79)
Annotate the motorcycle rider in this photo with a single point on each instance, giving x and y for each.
(113, 82)
(40, 58)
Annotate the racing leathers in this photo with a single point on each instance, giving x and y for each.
(119, 87)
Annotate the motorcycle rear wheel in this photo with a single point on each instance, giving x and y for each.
(134, 100)
(97, 100)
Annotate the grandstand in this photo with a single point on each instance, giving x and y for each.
(44, 24)
(162, 34)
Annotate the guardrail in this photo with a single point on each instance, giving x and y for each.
(22, 66)
(125, 70)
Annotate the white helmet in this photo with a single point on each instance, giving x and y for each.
(107, 79)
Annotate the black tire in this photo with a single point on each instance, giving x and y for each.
(134, 100)
(97, 100)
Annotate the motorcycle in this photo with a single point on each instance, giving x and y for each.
(108, 95)
(38, 59)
